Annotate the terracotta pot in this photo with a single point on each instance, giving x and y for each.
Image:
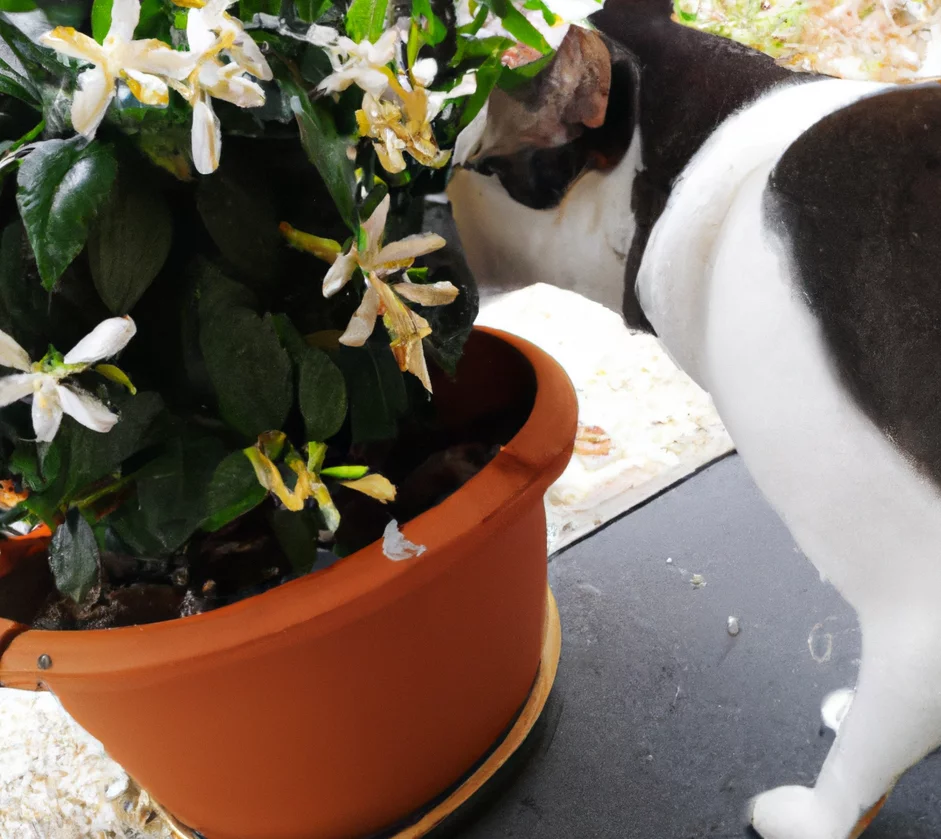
(335, 705)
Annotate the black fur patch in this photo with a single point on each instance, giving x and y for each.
(690, 83)
(856, 202)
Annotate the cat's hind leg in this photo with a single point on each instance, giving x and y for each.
(894, 721)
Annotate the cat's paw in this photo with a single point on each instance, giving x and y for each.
(794, 813)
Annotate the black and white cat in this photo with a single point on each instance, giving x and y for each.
(780, 233)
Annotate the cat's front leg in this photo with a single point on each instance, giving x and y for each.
(894, 721)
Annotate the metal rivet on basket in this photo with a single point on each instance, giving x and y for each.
(45, 662)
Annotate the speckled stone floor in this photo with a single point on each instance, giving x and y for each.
(661, 725)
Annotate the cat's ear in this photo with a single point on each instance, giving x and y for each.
(553, 109)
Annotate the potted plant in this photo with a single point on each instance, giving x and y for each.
(273, 534)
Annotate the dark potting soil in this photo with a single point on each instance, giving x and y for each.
(246, 558)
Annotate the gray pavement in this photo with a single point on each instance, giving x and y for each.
(661, 725)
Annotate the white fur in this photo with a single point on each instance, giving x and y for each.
(719, 292)
(581, 245)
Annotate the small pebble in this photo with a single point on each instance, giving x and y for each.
(697, 580)
(733, 626)
(669, 560)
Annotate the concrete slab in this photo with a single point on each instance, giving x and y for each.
(662, 725)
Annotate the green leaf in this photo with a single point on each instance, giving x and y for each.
(101, 19)
(376, 391)
(297, 535)
(154, 21)
(434, 31)
(249, 8)
(487, 77)
(325, 148)
(515, 22)
(62, 183)
(172, 489)
(93, 455)
(249, 370)
(73, 557)
(129, 243)
(23, 303)
(312, 10)
(366, 19)
(17, 6)
(233, 491)
(321, 395)
(18, 86)
(237, 210)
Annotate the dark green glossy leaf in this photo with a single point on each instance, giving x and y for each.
(172, 489)
(375, 389)
(249, 8)
(233, 491)
(237, 210)
(312, 10)
(297, 535)
(325, 148)
(129, 243)
(249, 370)
(366, 19)
(74, 558)
(62, 183)
(321, 395)
(93, 456)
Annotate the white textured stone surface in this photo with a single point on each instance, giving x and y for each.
(661, 426)
(657, 425)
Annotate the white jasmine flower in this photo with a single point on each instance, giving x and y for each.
(141, 64)
(43, 379)
(376, 258)
(209, 28)
(365, 64)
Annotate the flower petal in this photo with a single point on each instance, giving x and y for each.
(247, 54)
(47, 410)
(15, 387)
(339, 274)
(374, 227)
(150, 90)
(375, 486)
(417, 365)
(432, 294)
(159, 59)
(125, 15)
(408, 249)
(199, 29)
(363, 322)
(67, 41)
(239, 91)
(91, 100)
(207, 137)
(12, 354)
(85, 409)
(105, 340)
(424, 71)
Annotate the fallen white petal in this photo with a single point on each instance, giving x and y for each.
(12, 354)
(47, 410)
(15, 387)
(85, 409)
(835, 707)
(105, 340)
(396, 547)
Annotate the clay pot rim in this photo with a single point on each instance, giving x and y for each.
(327, 600)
